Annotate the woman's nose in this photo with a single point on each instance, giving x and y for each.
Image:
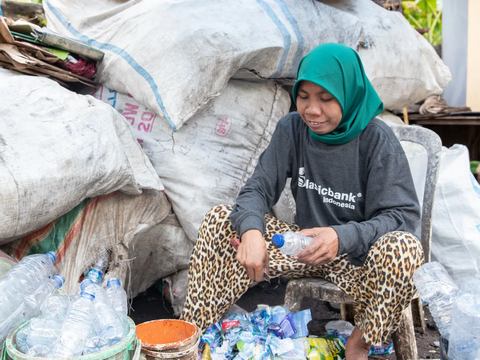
(313, 109)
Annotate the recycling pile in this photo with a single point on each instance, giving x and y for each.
(61, 326)
(275, 332)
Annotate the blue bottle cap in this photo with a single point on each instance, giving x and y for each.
(87, 295)
(278, 240)
(59, 279)
(113, 282)
(52, 255)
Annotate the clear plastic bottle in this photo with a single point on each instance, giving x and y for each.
(22, 280)
(97, 272)
(76, 328)
(439, 290)
(31, 304)
(42, 331)
(464, 342)
(117, 296)
(95, 344)
(56, 307)
(291, 243)
(38, 298)
(109, 324)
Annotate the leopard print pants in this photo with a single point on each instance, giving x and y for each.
(382, 288)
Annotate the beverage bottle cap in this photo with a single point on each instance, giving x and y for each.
(278, 240)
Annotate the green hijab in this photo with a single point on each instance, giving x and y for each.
(339, 70)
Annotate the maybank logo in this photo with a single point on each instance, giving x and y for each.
(344, 200)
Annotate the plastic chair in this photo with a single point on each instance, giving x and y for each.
(404, 337)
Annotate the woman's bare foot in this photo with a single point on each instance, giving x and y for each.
(357, 349)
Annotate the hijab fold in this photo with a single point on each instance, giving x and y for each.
(339, 70)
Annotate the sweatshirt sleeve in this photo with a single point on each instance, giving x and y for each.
(263, 189)
(391, 204)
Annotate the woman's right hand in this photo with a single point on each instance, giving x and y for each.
(252, 254)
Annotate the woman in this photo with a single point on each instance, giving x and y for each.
(354, 194)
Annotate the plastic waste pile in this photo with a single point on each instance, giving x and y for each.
(456, 311)
(438, 290)
(65, 326)
(24, 288)
(267, 331)
(343, 329)
(275, 332)
(464, 342)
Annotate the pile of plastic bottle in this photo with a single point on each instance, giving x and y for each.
(61, 326)
(456, 311)
(275, 333)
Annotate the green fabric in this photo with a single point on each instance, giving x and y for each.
(339, 70)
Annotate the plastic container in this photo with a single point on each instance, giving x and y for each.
(109, 325)
(22, 280)
(117, 296)
(169, 339)
(127, 349)
(291, 243)
(97, 272)
(76, 328)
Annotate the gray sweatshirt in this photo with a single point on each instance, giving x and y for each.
(363, 189)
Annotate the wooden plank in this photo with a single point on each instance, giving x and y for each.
(404, 341)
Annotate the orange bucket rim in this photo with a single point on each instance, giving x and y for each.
(171, 345)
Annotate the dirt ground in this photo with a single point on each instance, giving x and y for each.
(151, 305)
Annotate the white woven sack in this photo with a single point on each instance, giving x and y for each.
(58, 148)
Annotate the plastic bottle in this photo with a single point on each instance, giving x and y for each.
(31, 304)
(38, 298)
(76, 328)
(42, 331)
(95, 344)
(109, 324)
(22, 280)
(56, 307)
(97, 272)
(117, 296)
(291, 243)
(464, 342)
(439, 290)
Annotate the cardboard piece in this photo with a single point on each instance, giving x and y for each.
(32, 59)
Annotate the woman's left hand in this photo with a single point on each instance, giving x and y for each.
(322, 250)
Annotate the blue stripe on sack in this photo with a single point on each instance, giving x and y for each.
(287, 38)
(1, 12)
(298, 33)
(126, 56)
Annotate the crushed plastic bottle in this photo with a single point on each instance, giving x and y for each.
(95, 344)
(76, 329)
(291, 243)
(117, 296)
(439, 290)
(30, 307)
(464, 341)
(56, 307)
(22, 280)
(42, 331)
